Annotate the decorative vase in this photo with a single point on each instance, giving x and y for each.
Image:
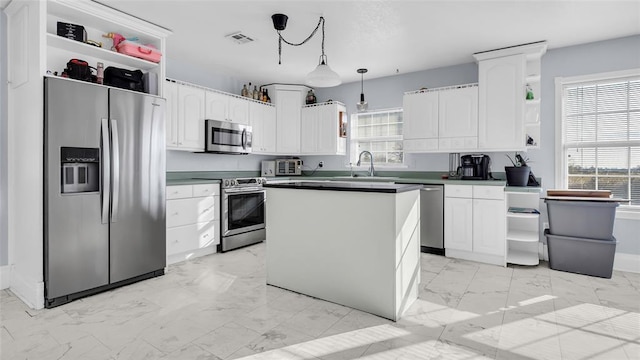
(311, 98)
(517, 175)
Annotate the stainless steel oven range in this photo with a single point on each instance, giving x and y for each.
(242, 209)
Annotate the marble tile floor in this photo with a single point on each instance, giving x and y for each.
(218, 307)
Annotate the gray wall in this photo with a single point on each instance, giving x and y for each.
(4, 242)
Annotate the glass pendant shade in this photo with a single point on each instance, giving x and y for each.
(323, 76)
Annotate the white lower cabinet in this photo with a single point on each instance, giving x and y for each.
(193, 221)
(474, 223)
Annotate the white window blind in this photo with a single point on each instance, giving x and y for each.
(379, 132)
(601, 136)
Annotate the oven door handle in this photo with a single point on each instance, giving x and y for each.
(245, 190)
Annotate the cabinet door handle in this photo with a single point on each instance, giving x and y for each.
(206, 236)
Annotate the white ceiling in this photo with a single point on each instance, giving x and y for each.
(384, 36)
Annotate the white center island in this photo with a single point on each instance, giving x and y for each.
(355, 244)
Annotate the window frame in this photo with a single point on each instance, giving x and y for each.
(353, 153)
(561, 176)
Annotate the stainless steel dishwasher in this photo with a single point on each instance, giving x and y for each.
(432, 219)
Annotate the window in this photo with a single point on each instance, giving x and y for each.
(600, 134)
(380, 133)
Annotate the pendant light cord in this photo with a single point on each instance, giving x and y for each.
(281, 39)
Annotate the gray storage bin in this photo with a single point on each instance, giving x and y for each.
(582, 218)
(581, 255)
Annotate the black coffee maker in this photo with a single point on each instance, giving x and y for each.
(475, 167)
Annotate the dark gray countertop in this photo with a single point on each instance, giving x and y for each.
(378, 187)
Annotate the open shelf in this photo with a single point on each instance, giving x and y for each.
(522, 215)
(78, 47)
(522, 257)
(522, 235)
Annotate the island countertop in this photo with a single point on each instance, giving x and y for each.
(379, 187)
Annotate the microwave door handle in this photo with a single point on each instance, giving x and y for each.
(106, 170)
(115, 170)
(244, 139)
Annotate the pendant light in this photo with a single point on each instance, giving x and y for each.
(322, 76)
(362, 105)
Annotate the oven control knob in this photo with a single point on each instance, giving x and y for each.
(233, 183)
(226, 183)
(259, 181)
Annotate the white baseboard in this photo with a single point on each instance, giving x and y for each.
(627, 262)
(174, 258)
(5, 277)
(30, 292)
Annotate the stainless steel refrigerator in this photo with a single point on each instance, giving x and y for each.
(104, 189)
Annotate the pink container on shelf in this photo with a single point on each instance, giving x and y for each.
(145, 52)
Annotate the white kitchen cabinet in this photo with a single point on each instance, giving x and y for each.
(501, 125)
(475, 223)
(420, 121)
(458, 223)
(191, 107)
(506, 120)
(442, 119)
(33, 48)
(523, 227)
(224, 107)
(262, 118)
(184, 117)
(458, 119)
(193, 221)
(288, 100)
(322, 129)
(171, 113)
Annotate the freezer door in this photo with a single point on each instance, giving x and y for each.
(76, 245)
(138, 230)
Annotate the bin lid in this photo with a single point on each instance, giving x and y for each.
(576, 198)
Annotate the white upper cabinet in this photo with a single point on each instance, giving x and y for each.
(191, 109)
(262, 118)
(420, 121)
(225, 107)
(288, 100)
(501, 115)
(458, 119)
(507, 120)
(184, 116)
(171, 95)
(322, 130)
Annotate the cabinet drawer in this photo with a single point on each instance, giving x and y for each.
(206, 190)
(179, 192)
(190, 211)
(460, 191)
(191, 237)
(488, 192)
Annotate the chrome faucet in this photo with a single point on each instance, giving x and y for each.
(370, 158)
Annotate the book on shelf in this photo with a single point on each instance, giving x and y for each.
(522, 210)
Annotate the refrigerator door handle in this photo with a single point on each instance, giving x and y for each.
(106, 170)
(115, 170)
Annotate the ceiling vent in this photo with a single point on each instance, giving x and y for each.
(239, 38)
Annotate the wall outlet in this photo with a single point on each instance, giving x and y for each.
(321, 164)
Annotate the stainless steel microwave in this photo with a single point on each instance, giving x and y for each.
(227, 137)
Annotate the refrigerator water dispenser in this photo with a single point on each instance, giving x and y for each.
(79, 170)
